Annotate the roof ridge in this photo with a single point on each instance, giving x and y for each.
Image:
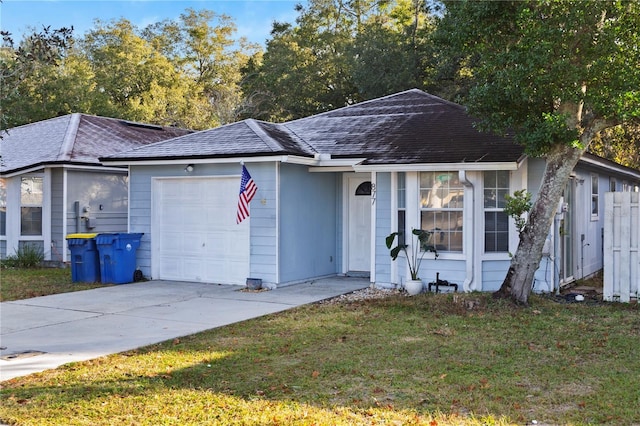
(66, 147)
(256, 127)
(359, 104)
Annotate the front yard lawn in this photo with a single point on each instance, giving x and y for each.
(424, 360)
(24, 283)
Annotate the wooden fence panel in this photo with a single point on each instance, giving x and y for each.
(621, 246)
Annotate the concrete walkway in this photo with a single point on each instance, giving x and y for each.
(45, 332)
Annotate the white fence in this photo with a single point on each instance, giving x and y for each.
(621, 242)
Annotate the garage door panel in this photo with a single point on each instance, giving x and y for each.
(196, 237)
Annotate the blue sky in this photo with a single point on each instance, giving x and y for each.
(253, 18)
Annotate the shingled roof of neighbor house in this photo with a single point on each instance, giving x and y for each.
(75, 139)
(404, 128)
(244, 138)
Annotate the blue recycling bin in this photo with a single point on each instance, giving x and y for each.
(85, 264)
(117, 254)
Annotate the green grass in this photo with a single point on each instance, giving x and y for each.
(424, 360)
(24, 283)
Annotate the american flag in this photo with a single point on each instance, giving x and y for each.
(248, 189)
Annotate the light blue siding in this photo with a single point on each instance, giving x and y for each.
(383, 228)
(308, 224)
(450, 270)
(263, 211)
(58, 242)
(493, 274)
(106, 196)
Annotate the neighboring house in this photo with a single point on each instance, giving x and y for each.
(52, 184)
(332, 186)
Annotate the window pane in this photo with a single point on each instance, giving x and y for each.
(31, 191)
(489, 222)
(502, 222)
(503, 179)
(490, 201)
(401, 190)
(496, 232)
(3, 221)
(489, 242)
(502, 202)
(441, 190)
(490, 179)
(401, 227)
(502, 241)
(446, 228)
(3, 206)
(31, 221)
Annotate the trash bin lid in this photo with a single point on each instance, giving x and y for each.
(81, 236)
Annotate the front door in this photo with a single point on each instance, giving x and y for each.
(359, 224)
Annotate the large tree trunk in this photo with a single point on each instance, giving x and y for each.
(560, 161)
(519, 279)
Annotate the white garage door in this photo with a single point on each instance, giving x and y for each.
(194, 232)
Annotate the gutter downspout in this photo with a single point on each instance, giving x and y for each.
(468, 231)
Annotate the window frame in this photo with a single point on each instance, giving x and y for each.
(32, 205)
(455, 194)
(595, 197)
(497, 208)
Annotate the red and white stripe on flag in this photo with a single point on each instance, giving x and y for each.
(248, 189)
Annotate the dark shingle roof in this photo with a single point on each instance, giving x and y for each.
(408, 127)
(241, 139)
(405, 128)
(75, 139)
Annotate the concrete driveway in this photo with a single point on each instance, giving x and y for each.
(45, 332)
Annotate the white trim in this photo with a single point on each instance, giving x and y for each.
(468, 232)
(65, 195)
(41, 168)
(345, 223)
(347, 215)
(412, 215)
(293, 159)
(153, 224)
(393, 271)
(606, 164)
(429, 167)
(129, 199)
(46, 214)
(374, 207)
(277, 196)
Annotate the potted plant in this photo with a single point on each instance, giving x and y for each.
(414, 255)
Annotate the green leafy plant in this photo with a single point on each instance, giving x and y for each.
(27, 256)
(414, 253)
(517, 205)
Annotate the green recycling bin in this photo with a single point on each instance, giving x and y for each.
(117, 254)
(85, 265)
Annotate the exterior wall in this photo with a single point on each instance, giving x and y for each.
(385, 222)
(308, 224)
(103, 194)
(263, 211)
(13, 239)
(58, 242)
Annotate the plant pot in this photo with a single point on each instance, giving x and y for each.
(413, 287)
(254, 283)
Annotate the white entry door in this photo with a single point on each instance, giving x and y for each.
(194, 235)
(359, 223)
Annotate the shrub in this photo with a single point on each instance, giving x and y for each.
(27, 256)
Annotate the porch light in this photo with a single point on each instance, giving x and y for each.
(189, 168)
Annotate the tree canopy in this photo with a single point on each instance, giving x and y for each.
(553, 74)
